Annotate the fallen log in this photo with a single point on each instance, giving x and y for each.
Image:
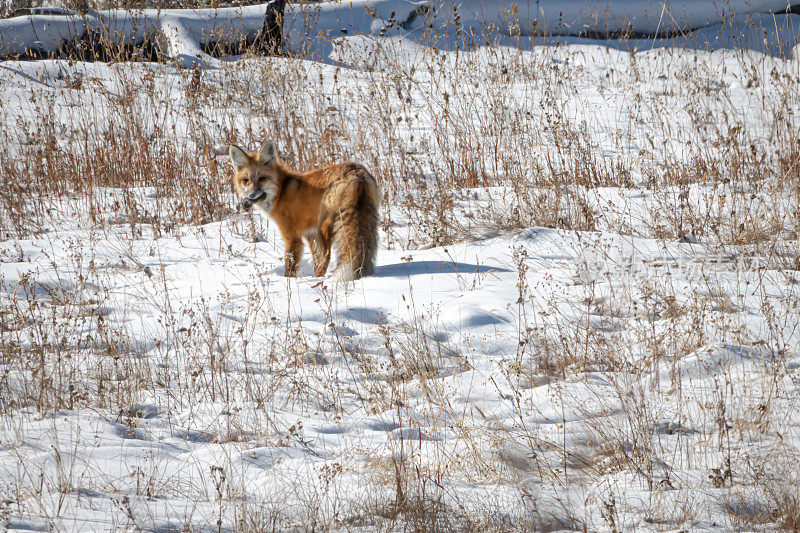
(199, 37)
(188, 37)
(320, 30)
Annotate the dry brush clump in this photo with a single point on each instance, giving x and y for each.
(121, 143)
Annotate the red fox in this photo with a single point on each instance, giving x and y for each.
(335, 203)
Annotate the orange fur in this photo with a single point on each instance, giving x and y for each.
(335, 203)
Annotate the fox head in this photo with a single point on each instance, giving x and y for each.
(256, 178)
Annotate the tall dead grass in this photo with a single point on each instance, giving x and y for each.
(496, 141)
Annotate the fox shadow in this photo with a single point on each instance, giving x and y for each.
(417, 268)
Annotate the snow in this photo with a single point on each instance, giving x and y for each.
(203, 390)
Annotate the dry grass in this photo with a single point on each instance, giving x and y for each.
(460, 150)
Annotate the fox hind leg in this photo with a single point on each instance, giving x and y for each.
(313, 245)
(324, 241)
(317, 253)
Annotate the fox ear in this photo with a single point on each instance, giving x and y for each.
(238, 156)
(268, 153)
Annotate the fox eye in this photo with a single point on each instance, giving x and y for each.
(261, 179)
(245, 181)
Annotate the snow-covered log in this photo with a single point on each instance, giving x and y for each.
(603, 17)
(187, 35)
(183, 35)
(308, 28)
(526, 17)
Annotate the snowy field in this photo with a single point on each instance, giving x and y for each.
(584, 315)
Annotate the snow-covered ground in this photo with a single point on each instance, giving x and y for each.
(584, 314)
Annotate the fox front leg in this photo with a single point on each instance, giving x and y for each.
(294, 252)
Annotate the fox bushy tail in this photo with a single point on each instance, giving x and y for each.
(356, 230)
